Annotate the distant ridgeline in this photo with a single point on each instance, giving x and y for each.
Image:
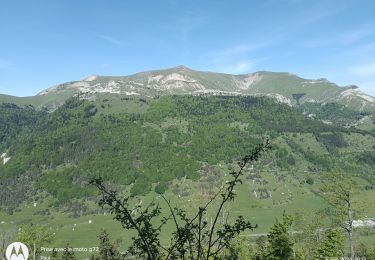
(145, 142)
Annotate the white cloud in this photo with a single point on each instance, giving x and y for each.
(109, 39)
(366, 70)
(234, 60)
(236, 68)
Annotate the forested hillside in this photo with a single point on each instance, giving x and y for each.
(176, 137)
(182, 146)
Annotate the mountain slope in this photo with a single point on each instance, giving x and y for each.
(285, 87)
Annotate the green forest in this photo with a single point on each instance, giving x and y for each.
(61, 151)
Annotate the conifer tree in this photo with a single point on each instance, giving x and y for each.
(107, 250)
(331, 245)
(280, 243)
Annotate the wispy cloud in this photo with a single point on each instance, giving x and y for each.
(234, 60)
(109, 39)
(236, 50)
(237, 67)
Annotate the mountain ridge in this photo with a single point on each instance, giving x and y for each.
(283, 86)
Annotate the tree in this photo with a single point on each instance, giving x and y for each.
(280, 242)
(309, 227)
(68, 253)
(240, 248)
(107, 251)
(331, 245)
(194, 237)
(261, 243)
(338, 191)
(35, 236)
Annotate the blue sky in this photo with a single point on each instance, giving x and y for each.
(46, 42)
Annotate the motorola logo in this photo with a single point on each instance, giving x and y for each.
(17, 251)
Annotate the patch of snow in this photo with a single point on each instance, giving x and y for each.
(5, 158)
(112, 84)
(136, 83)
(174, 81)
(155, 78)
(110, 87)
(364, 119)
(177, 77)
(215, 92)
(315, 81)
(358, 93)
(367, 98)
(131, 93)
(180, 85)
(363, 105)
(79, 84)
(310, 100)
(311, 115)
(364, 223)
(327, 122)
(49, 90)
(247, 82)
(90, 78)
(280, 98)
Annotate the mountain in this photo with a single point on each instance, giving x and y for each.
(285, 87)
